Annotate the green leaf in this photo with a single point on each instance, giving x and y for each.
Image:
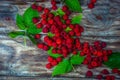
(50, 34)
(113, 60)
(77, 19)
(62, 68)
(73, 5)
(29, 15)
(33, 30)
(20, 22)
(77, 59)
(68, 29)
(32, 39)
(53, 55)
(15, 34)
(60, 12)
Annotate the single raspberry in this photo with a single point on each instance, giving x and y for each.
(65, 17)
(57, 18)
(44, 22)
(64, 26)
(99, 53)
(68, 21)
(109, 52)
(45, 47)
(64, 8)
(112, 77)
(115, 70)
(99, 77)
(45, 30)
(71, 33)
(44, 16)
(54, 44)
(50, 15)
(71, 26)
(105, 58)
(50, 59)
(65, 55)
(54, 51)
(82, 54)
(90, 66)
(94, 64)
(40, 45)
(48, 66)
(35, 20)
(96, 43)
(50, 21)
(59, 51)
(58, 41)
(46, 10)
(39, 25)
(54, 63)
(91, 5)
(53, 2)
(89, 74)
(37, 36)
(85, 62)
(103, 44)
(105, 71)
(46, 38)
(74, 52)
(93, 1)
(34, 6)
(54, 7)
(59, 59)
(39, 8)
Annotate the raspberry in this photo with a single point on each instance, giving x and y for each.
(39, 8)
(93, 1)
(64, 8)
(59, 59)
(39, 25)
(37, 36)
(46, 38)
(45, 30)
(54, 44)
(34, 6)
(46, 10)
(50, 15)
(50, 59)
(71, 33)
(71, 26)
(89, 74)
(64, 26)
(91, 5)
(44, 16)
(54, 63)
(35, 20)
(48, 66)
(54, 51)
(57, 18)
(44, 22)
(40, 45)
(68, 21)
(74, 52)
(54, 7)
(53, 2)
(58, 41)
(99, 77)
(94, 63)
(64, 55)
(85, 62)
(50, 21)
(115, 70)
(65, 17)
(105, 71)
(90, 66)
(103, 44)
(59, 51)
(82, 54)
(45, 47)
(105, 58)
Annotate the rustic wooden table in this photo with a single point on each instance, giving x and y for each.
(28, 62)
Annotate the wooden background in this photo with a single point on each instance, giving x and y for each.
(19, 60)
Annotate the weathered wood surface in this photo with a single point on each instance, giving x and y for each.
(19, 60)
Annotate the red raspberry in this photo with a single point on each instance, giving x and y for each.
(64, 8)
(50, 59)
(65, 55)
(99, 77)
(39, 8)
(59, 59)
(40, 45)
(99, 53)
(91, 5)
(109, 52)
(46, 10)
(96, 43)
(45, 30)
(94, 64)
(93, 1)
(57, 18)
(44, 16)
(85, 62)
(89, 74)
(74, 52)
(39, 25)
(54, 44)
(105, 58)
(68, 21)
(37, 36)
(50, 15)
(112, 77)
(82, 54)
(45, 47)
(103, 44)
(65, 17)
(115, 70)
(64, 26)
(54, 7)
(105, 71)
(50, 21)
(88, 57)
(58, 41)
(34, 6)
(90, 66)
(59, 51)
(35, 20)
(44, 22)
(53, 2)
(46, 38)
(71, 33)
(54, 63)
(48, 66)
(54, 51)
(71, 26)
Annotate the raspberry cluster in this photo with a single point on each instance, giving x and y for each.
(91, 5)
(95, 54)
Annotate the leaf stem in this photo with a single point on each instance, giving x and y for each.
(73, 68)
